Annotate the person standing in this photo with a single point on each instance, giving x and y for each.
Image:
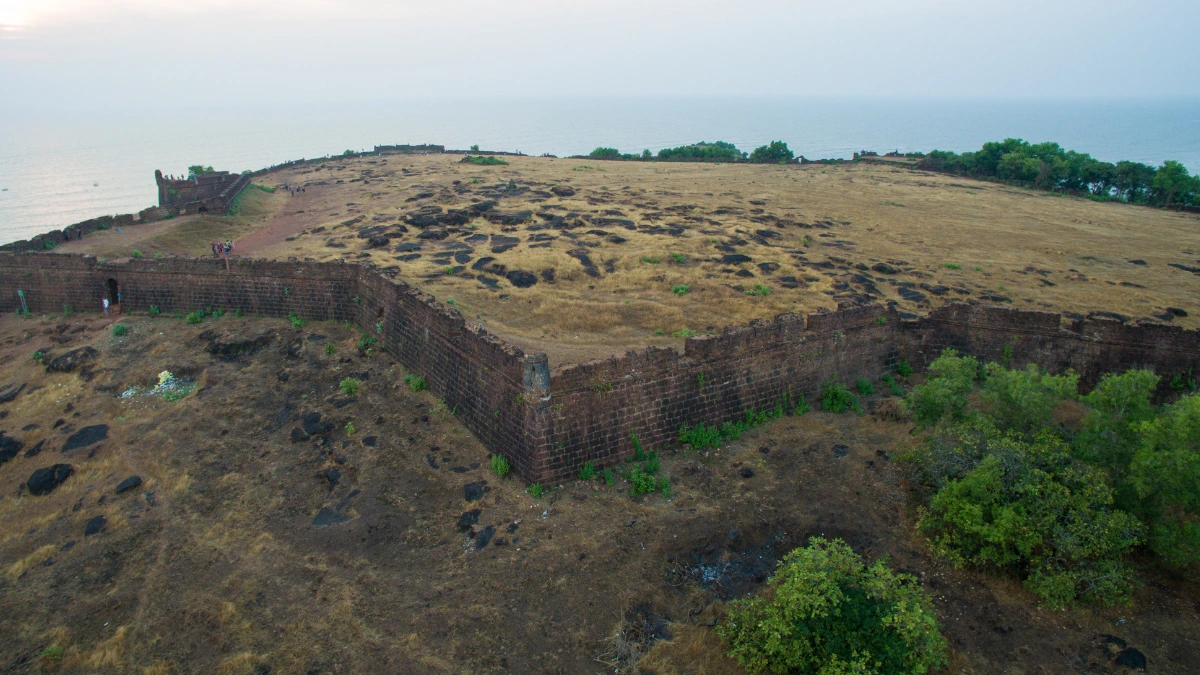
(105, 302)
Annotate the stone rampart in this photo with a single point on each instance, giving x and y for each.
(549, 423)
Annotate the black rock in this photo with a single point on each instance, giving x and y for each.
(327, 516)
(129, 484)
(314, 426)
(9, 392)
(466, 520)
(521, 279)
(408, 247)
(95, 526)
(1131, 658)
(563, 191)
(884, 269)
(298, 435)
(735, 534)
(745, 273)
(71, 360)
(910, 294)
(37, 447)
(285, 376)
(370, 441)
(734, 259)
(438, 234)
(747, 472)
(840, 450)
(86, 436)
(43, 481)
(330, 475)
(9, 447)
(473, 492)
(483, 537)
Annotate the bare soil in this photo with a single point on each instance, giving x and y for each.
(256, 546)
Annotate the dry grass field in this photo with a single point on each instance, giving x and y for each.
(252, 546)
(584, 259)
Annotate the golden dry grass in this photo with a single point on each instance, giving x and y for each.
(946, 238)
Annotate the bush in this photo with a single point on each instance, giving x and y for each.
(119, 330)
(825, 612)
(835, 397)
(535, 490)
(609, 479)
(136, 253)
(864, 387)
(718, 151)
(759, 289)
(349, 386)
(349, 428)
(296, 321)
(1110, 434)
(903, 369)
(365, 342)
(39, 357)
(330, 349)
(944, 393)
(1024, 400)
(775, 153)
(605, 153)
(500, 465)
(154, 310)
(416, 382)
(486, 160)
(587, 471)
(680, 289)
(1166, 474)
(1005, 503)
(194, 317)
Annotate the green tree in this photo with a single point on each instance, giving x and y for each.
(605, 153)
(1024, 400)
(775, 153)
(1166, 473)
(1132, 180)
(1172, 185)
(824, 612)
(199, 169)
(944, 393)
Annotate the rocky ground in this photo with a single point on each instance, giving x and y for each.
(245, 515)
(584, 259)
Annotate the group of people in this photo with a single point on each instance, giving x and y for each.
(67, 234)
(218, 248)
(293, 191)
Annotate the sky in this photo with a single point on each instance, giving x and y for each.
(72, 54)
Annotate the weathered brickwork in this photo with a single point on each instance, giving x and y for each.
(549, 423)
(205, 193)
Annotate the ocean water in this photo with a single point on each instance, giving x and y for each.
(57, 169)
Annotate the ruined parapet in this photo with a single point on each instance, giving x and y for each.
(200, 193)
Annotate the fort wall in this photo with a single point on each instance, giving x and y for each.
(547, 424)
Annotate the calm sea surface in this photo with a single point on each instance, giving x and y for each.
(57, 169)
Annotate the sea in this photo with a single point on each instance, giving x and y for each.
(58, 168)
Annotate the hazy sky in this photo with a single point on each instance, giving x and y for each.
(64, 53)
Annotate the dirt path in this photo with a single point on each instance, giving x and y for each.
(287, 222)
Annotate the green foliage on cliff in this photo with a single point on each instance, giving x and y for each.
(1050, 167)
(775, 153)
(717, 151)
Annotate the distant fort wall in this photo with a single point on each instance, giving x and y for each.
(211, 192)
(548, 424)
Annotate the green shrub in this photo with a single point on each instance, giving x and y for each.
(903, 369)
(535, 490)
(865, 387)
(119, 330)
(824, 612)
(609, 479)
(48, 245)
(349, 386)
(39, 357)
(365, 342)
(154, 310)
(158, 255)
(835, 397)
(639, 453)
(952, 266)
(679, 258)
(944, 393)
(1110, 433)
(329, 348)
(485, 160)
(648, 259)
(1166, 474)
(416, 382)
(194, 317)
(775, 153)
(136, 253)
(500, 465)
(894, 386)
(587, 471)
(67, 310)
(1004, 503)
(801, 407)
(685, 333)
(296, 321)
(349, 428)
(642, 482)
(1024, 400)
(680, 289)
(759, 289)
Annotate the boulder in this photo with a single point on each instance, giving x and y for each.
(43, 481)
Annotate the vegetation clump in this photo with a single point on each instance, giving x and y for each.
(483, 160)
(500, 465)
(119, 330)
(826, 612)
(349, 386)
(1008, 487)
(717, 151)
(836, 398)
(416, 382)
(777, 152)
